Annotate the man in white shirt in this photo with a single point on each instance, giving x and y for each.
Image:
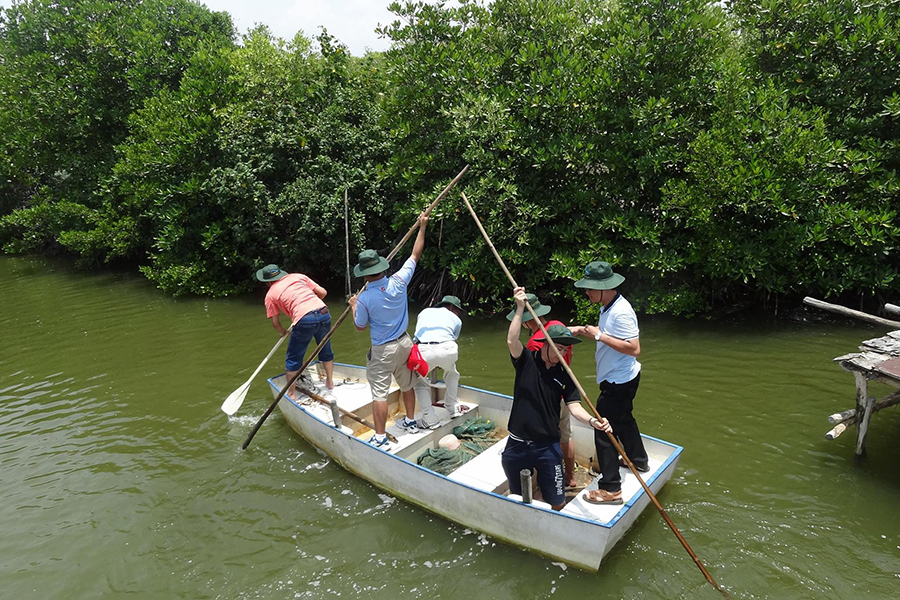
(618, 374)
(437, 329)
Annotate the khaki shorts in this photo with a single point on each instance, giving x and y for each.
(565, 424)
(386, 360)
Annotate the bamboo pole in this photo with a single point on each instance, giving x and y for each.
(347, 239)
(343, 316)
(849, 312)
(584, 396)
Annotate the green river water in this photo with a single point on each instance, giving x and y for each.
(121, 477)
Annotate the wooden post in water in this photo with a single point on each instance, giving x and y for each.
(862, 427)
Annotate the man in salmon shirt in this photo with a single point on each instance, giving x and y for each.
(565, 417)
(300, 298)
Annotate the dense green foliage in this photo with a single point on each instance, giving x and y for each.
(710, 152)
(71, 75)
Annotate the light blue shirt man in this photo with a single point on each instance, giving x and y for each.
(384, 307)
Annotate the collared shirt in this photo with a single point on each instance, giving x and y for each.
(383, 305)
(617, 319)
(536, 393)
(437, 324)
(294, 295)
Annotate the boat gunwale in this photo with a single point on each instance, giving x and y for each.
(677, 450)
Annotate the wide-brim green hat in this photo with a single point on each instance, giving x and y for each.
(370, 264)
(598, 275)
(270, 273)
(539, 309)
(451, 301)
(560, 334)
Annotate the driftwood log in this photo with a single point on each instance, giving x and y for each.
(849, 312)
(892, 310)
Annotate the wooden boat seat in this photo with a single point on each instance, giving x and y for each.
(484, 471)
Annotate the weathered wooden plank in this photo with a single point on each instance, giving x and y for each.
(866, 361)
(884, 345)
(849, 312)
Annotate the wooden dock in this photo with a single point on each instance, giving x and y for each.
(878, 359)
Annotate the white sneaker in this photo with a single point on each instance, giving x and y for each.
(384, 443)
(425, 424)
(408, 424)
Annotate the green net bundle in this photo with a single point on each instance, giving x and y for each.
(475, 436)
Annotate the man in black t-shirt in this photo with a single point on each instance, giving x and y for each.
(534, 420)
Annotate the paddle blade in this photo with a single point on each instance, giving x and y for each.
(233, 402)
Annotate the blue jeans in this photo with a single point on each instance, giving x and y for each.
(545, 458)
(314, 324)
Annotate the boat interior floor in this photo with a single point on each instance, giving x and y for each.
(484, 471)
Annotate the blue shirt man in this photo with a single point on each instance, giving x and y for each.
(382, 307)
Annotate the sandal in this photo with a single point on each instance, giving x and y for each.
(601, 496)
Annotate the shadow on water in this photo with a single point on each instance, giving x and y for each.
(121, 476)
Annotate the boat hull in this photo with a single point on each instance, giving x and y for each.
(568, 538)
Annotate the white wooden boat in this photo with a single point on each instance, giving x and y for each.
(475, 494)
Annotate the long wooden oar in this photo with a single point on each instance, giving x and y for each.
(612, 437)
(344, 412)
(343, 316)
(236, 398)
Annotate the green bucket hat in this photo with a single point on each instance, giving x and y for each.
(539, 309)
(560, 334)
(370, 264)
(270, 273)
(598, 275)
(450, 301)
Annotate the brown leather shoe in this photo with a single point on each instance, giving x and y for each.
(601, 496)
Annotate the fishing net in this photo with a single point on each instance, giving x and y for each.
(444, 461)
(475, 436)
